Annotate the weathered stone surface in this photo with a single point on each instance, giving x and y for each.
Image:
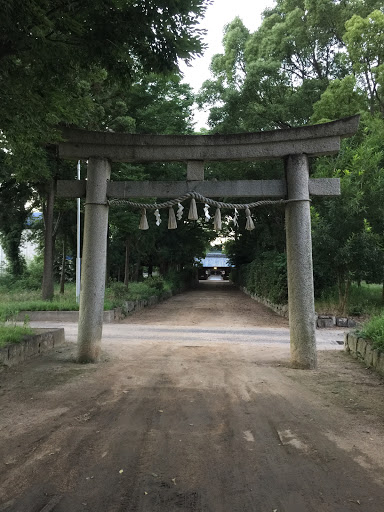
(351, 322)
(324, 187)
(16, 353)
(311, 140)
(48, 316)
(280, 309)
(4, 356)
(118, 314)
(299, 264)
(171, 189)
(375, 357)
(61, 316)
(325, 322)
(209, 153)
(342, 322)
(195, 170)
(380, 363)
(31, 347)
(368, 356)
(361, 348)
(129, 306)
(46, 343)
(91, 310)
(352, 342)
(153, 300)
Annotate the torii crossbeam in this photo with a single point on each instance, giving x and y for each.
(294, 145)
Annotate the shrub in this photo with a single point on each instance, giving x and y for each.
(265, 276)
(13, 333)
(179, 280)
(373, 330)
(365, 299)
(156, 283)
(117, 290)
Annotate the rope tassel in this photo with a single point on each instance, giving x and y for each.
(206, 212)
(158, 218)
(172, 224)
(192, 215)
(180, 209)
(217, 220)
(250, 224)
(143, 221)
(235, 217)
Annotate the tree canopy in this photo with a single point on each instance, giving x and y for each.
(311, 61)
(55, 55)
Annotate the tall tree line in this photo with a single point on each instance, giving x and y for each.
(311, 61)
(102, 65)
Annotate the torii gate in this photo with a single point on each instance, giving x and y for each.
(294, 145)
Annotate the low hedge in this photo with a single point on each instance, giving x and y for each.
(265, 276)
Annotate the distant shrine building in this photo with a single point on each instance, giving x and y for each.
(215, 264)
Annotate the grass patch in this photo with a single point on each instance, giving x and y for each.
(373, 330)
(13, 334)
(13, 299)
(364, 300)
(117, 293)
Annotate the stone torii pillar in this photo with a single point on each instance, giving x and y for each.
(294, 146)
(94, 261)
(301, 303)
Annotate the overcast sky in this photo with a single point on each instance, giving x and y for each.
(218, 15)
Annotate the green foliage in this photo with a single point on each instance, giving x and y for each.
(157, 283)
(265, 276)
(13, 334)
(363, 300)
(14, 213)
(15, 298)
(117, 293)
(30, 279)
(55, 55)
(364, 38)
(373, 329)
(341, 99)
(348, 231)
(180, 280)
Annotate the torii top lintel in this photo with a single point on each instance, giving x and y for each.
(316, 140)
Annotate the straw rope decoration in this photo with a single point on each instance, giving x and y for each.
(193, 215)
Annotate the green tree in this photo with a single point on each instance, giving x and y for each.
(57, 59)
(310, 61)
(52, 52)
(365, 43)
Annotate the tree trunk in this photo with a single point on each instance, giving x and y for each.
(343, 287)
(62, 275)
(150, 270)
(47, 285)
(136, 271)
(127, 258)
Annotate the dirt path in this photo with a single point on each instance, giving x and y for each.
(214, 303)
(191, 424)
